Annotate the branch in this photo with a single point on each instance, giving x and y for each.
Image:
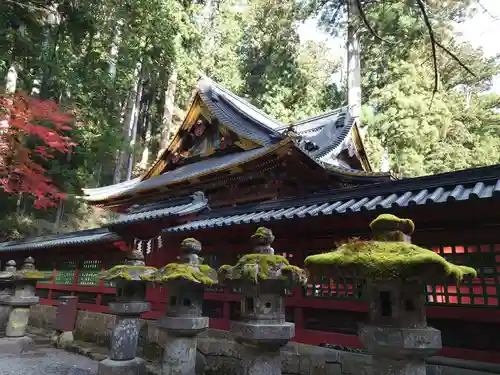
(367, 24)
(455, 57)
(29, 6)
(485, 10)
(433, 45)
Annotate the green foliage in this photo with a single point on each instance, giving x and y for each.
(451, 134)
(282, 77)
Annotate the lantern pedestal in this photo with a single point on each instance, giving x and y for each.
(129, 367)
(180, 349)
(400, 351)
(130, 304)
(260, 344)
(124, 340)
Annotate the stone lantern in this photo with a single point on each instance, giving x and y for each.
(183, 320)
(396, 274)
(5, 292)
(19, 294)
(129, 305)
(262, 330)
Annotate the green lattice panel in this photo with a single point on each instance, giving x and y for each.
(112, 284)
(47, 273)
(47, 269)
(65, 272)
(483, 291)
(88, 273)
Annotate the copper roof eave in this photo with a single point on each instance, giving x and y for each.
(117, 199)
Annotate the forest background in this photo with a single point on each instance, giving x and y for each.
(126, 70)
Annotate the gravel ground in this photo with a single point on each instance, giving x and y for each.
(46, 361)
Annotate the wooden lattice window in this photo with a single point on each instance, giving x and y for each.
(88, 272)
(65, 272)
(322, 287)
(42, 293)
(482, 291)
(289, 255)
(88, 298)
(47, 267)
(56, 294)
(214, 260)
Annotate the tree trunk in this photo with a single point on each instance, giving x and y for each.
(147, 144)
(113, 53)
(353, 61)
(168, 110)
(127, 125)
(133, 130)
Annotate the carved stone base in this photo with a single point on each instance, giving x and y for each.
(16, 345)
(179, 356)
(260, 361)
(271, 336)
(400, 343)
(134, 366)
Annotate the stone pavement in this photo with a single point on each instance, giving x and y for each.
(46, 361)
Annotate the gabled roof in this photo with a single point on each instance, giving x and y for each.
(238, 114)
(325, 136)
(83, 237)
(176, 207)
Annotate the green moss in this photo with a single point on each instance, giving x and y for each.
(34, 275)
(255, 267)
(200, 274)
(263, 235)
(190, 240)
(386, 260)
(126, 272)
(296, 273)
(389, 223)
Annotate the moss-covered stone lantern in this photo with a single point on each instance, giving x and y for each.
(130, 303)
(185, 282)
(5, 292)
(262, 329)
(396, 273)
(19, 295)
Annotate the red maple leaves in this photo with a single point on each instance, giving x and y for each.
(22, 118)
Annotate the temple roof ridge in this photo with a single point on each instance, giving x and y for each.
(241, 104)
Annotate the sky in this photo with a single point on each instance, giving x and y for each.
(481, 31)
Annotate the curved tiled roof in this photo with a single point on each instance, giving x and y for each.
(239, 115)
(437, 189)
(184, 172)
